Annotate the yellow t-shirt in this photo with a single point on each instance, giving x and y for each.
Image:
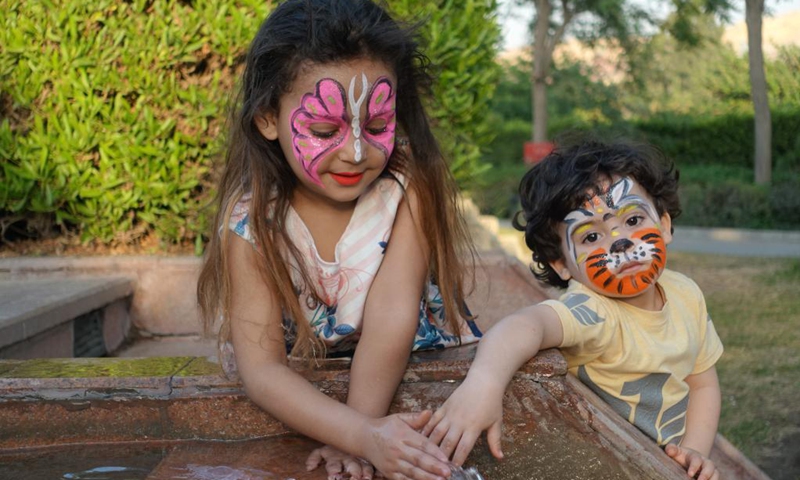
(637, 360)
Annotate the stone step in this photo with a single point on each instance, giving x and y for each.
(37, 315)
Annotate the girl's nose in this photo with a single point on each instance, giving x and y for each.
(354, 150)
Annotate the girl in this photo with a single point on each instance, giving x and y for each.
(330, 229)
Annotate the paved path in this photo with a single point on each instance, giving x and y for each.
(730, 241)
(736, 242)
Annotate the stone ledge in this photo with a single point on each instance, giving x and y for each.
(33, 306)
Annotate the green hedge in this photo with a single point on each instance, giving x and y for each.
(726, 139)
(113, 111)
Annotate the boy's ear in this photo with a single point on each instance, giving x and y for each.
(666, 228)
(268, 125)
(560, 267)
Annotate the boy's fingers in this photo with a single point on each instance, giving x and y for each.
(707, 470)
(464, 447)
(450, 442)
(695, 462)
(493, 439)
(432, 422)
(438, 433)
(676, 453)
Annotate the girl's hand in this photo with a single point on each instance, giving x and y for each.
(458, 423)
(397, 449)
(696, 465)
(338, 463)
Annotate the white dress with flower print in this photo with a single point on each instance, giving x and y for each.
(344, 283)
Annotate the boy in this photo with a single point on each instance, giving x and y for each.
(598, 218)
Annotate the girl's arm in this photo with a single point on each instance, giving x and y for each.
(391, 315)
(477, 405)
(702, 418)
(257, 335)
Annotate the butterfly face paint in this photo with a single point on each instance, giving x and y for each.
(381, 117)
(615, 240)
(321, 124)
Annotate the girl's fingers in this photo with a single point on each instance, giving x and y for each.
(333, 466)
(353, 468)
(430, 448)
(411, 471)
(313, 459)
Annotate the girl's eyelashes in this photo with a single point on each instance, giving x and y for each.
(376, 127)
(376, 130)
(323, 130)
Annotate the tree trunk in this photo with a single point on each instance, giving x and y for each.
(758, 90)
(541, 64)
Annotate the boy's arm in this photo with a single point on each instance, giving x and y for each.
(702, 417)
(477, 405)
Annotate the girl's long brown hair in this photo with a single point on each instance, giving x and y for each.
(301, 32)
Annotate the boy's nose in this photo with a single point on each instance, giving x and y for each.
(621, 245)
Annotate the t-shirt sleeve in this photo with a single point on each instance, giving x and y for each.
(710, 343)
(588, 327)
(239, 222)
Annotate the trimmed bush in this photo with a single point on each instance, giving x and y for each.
(113, 111)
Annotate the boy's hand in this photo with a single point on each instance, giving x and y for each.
(338, 463)
(394, 445)
(696, 465)
(470, 410)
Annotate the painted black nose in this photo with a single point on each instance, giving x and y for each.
(621, 245)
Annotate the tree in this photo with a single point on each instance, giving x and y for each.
(754, 11)
(594, 19)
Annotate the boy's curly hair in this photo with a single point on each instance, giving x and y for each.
(561, 181)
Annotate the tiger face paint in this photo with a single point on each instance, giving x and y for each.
(614, 242)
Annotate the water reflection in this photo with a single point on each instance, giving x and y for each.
(108, 473)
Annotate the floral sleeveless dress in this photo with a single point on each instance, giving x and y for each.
(344, 283)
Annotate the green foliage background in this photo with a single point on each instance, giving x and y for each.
(112, 112)
(693, 103)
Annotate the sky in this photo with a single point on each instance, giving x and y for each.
(515, 20)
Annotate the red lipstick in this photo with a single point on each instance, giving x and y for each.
(347, 178)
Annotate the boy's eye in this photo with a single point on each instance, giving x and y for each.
(634, 220)
(591, 238)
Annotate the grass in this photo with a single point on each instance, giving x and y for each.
(755, 306)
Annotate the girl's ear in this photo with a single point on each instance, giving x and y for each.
(560, 267)
(268, 126)
(666, 228)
